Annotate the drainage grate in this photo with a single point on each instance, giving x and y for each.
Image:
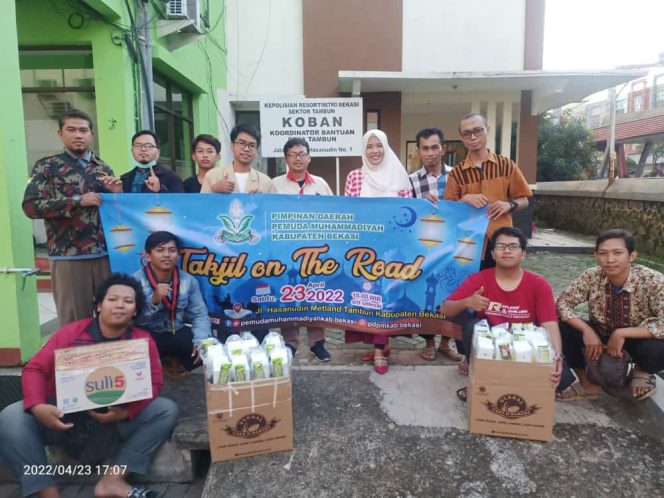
(10, 390)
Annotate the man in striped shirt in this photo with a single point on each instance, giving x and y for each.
(429, 183)
(486, 180)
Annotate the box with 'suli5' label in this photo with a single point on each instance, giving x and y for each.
(105, 374)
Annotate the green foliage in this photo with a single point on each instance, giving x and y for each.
(631, 166)
(565, 150)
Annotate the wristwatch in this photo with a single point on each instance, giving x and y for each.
(513, 203)
(76, 199)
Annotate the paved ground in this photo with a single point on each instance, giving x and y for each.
(405, 434)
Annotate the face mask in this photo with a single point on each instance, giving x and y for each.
(144, 166)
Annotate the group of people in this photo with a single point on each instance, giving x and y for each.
(164, 304)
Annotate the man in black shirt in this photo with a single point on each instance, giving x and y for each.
(206, 149)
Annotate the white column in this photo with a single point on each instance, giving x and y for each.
(491, 122)
(476, 106)
(506, 136)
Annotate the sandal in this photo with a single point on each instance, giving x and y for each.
(463, 368)
(173, 369)
(143, 493)
(380, 365)
(370, 355)
(575, 392)
(449, 353)
(643, 379)
(462, 394)
(428, 354)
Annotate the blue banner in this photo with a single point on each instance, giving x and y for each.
(371, 265)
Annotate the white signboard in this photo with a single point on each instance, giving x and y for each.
(333, 127)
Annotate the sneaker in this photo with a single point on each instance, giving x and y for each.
(320, 352)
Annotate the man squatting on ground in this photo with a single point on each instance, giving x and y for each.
(508, 293)
(29, 425)
(298, 180)
(626, 307)
(64, 191)
(173, 301)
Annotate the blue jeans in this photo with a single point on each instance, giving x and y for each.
(23, 440)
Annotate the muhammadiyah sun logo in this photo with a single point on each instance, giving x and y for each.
(105, 385)
(236, 226)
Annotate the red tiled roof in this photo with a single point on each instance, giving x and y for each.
(632, 129)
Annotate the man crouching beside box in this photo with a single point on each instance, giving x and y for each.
(508, 293)
(27, 426)
(626, 314)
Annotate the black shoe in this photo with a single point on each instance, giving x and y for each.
(320, 352)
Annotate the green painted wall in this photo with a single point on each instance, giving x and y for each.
(199, 67)
(18, 308)
(46, 24)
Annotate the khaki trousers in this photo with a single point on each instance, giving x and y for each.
(74, 284)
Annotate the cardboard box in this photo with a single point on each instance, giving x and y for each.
(104, 374)
(249, 418)
(511, 399)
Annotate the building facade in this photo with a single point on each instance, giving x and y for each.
(118, 60)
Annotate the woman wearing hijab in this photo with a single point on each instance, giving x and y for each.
(381, 175)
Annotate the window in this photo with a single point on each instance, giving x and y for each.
(637, 102)
(174, 125)
(658, 91)
(52, 82)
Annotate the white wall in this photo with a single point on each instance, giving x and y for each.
(446, 115)
(462, 35)
(264, 40)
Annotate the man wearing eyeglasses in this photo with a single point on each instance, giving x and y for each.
(486, 180)
(508, 294)
(239, 177)
(148, 175)
(299, 181)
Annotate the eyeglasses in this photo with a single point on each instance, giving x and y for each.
(475, 131)
(246, 145)
(505, 247)
(147, 147)
(298, 155)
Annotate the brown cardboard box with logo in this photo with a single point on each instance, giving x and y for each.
(511, 399)
(249, 418)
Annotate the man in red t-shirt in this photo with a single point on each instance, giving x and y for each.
(507, 293)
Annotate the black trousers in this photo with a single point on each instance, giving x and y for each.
(176, 345)
(648, 354)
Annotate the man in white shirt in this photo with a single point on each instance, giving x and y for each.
(299, 181)
(239, 177)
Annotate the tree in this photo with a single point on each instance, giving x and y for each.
(657, 151)
(565, 150)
